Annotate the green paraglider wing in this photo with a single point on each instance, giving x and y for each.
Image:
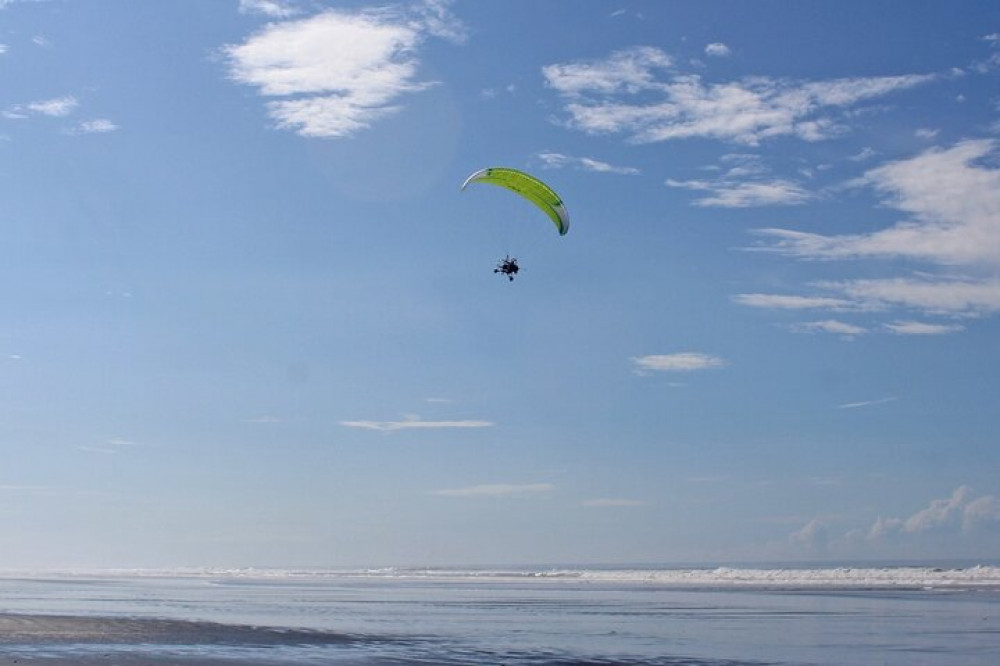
(528, 187)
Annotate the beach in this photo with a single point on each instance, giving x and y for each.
(658, 616)
(125, 640)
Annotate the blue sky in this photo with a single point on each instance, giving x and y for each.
(249, 319)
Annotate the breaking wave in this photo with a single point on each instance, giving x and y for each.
(793, 577)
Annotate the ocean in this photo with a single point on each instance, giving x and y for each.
(517, 616)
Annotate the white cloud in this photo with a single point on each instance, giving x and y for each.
(493, 93)
(793, 302)
(274, 8)
(336, 73)
(558, 161)
(980, 512)
(963, 512)
(436, 18)
(744, 181)
(612, 502)
(626, 71)
(414, 423)
(954, 208)
(601, 98)
(3, 49)
(105, 450)
(883, 527)
(925, 133)
(56, 107)
(922, 328)
(681, 362)
(966, 297)
(813, 534)
(993, 61)
(940, 513)
(110, 447)
(864, 154)
(717, 49)
(829, 326)
(867, 403)
(940, 296)
(96, 126)
(497, 490)
(951, 199)
(729, 194)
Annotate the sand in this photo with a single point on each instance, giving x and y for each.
(37, 639)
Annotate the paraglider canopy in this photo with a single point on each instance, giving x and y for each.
(528, 187)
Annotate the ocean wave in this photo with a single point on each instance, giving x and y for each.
(834, 577)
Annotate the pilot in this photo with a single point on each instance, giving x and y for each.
(507, 266)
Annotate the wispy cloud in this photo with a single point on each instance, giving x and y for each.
(727, 193)
(867, 403)
(612, 96)
(414, 423)
(743, 181)
(922, 328)
(953, 204)
(793, 302)
(966, 297)
(492, 93)
(435, 17)
(558, 161)
(992, 61)
(627, 71)
(829, 326)
(96, 126)
(334, 74)
(941, 296)
(497, 490)
(681, 362)
(612, 502)
(951, 200)
(273, 8)
(717, 50)
(863, 155)
(110, 446)
(54, 107)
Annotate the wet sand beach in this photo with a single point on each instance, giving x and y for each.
(134, 641)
